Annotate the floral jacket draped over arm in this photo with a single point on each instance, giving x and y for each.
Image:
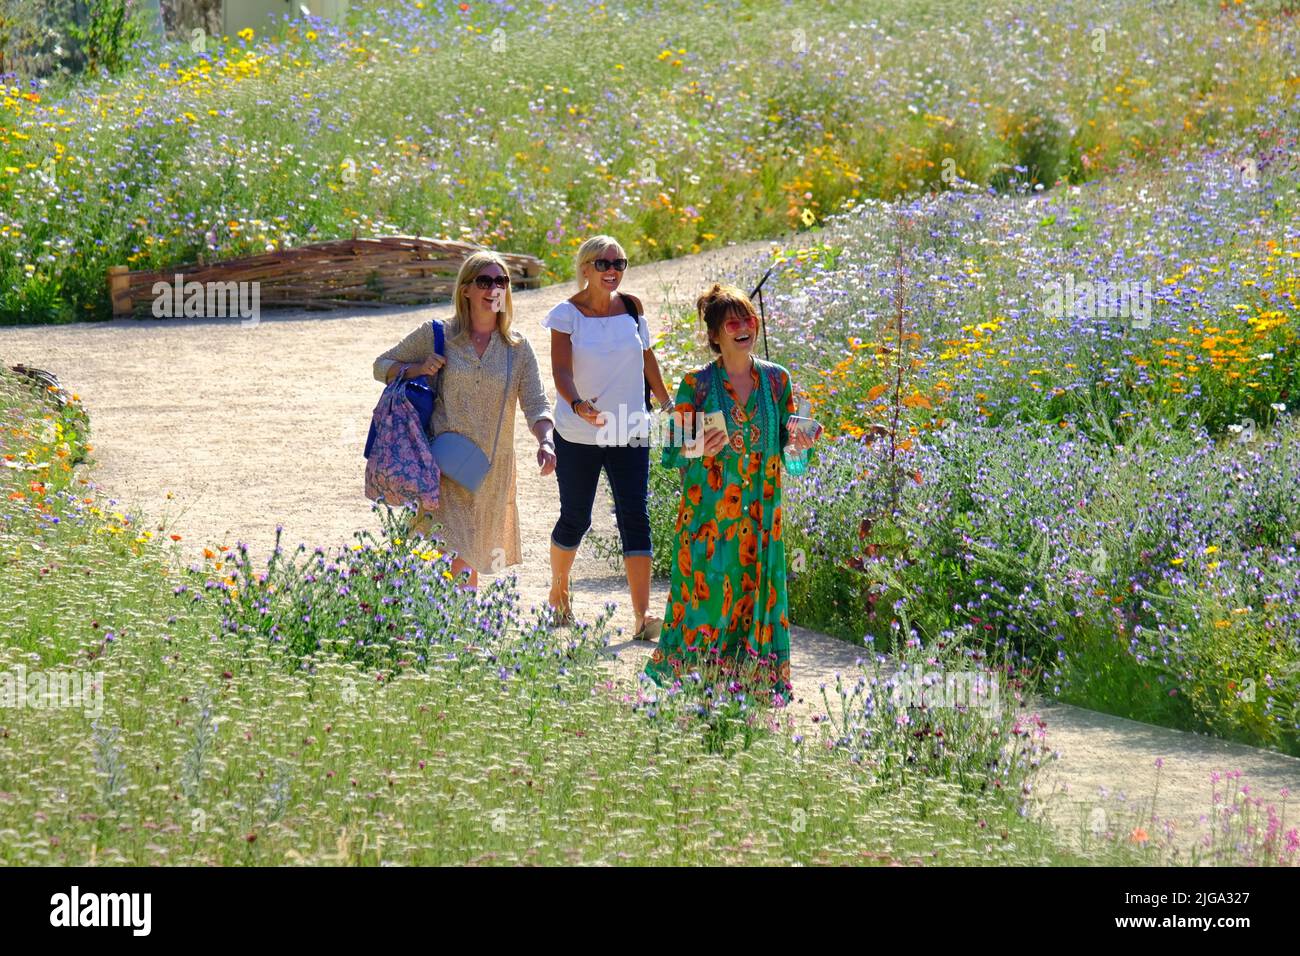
(482, 526)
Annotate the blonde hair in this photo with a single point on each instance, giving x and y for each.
(720, 303)
(475, 263)
(590, 251)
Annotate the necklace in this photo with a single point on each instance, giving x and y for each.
(762, 425)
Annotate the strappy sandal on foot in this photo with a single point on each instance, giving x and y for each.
(649, 630)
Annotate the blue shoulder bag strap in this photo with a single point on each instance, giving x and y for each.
(421, 393)
(418, 391)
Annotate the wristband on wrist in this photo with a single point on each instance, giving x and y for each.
(575, 403)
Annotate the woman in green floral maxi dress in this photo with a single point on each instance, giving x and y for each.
(727, 601)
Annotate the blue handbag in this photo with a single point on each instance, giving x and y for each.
(418, 391)
(459, 458)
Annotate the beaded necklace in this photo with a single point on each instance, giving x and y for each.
(768, 419)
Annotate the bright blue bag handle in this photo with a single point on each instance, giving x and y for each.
(419, 392)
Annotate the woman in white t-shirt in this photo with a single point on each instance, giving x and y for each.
(602, 362)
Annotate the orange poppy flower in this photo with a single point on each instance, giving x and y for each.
(688, 637)
(709, 534)
(728, 506)
(748, 544)
(684, 556)
(742, 615)
(714, 466)
(701, 590)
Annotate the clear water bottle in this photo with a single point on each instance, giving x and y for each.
(796, 462)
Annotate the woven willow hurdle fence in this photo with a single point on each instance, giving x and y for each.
(403, 270)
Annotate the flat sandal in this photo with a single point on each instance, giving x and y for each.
(649, 630)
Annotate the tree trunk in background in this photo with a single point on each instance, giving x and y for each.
(182, 16)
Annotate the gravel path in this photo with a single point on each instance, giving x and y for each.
(224, 431)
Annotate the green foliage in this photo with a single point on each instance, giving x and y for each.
(109, 35)
(229, 730)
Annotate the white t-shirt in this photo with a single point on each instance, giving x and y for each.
(609, 369)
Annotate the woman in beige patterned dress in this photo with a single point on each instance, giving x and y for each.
(482, 527)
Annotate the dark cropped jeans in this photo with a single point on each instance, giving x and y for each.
(577, 469)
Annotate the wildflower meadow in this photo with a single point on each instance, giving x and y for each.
(682, 126)
(1037, 273)
(1109, 496)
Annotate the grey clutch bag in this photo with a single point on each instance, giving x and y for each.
(458, 457)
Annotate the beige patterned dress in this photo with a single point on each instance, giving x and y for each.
(481, 527)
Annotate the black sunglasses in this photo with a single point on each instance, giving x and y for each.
(487, 282)
(604, 265)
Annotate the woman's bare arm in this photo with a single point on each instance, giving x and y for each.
(655, 378)
(562, 367)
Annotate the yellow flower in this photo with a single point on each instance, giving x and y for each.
(246, 34)
(1212, 549)
(1176, 561)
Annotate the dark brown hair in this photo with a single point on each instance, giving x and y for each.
(720, 303)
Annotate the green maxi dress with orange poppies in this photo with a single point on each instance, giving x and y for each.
(727, 600)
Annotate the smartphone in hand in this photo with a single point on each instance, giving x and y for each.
(807, 427)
